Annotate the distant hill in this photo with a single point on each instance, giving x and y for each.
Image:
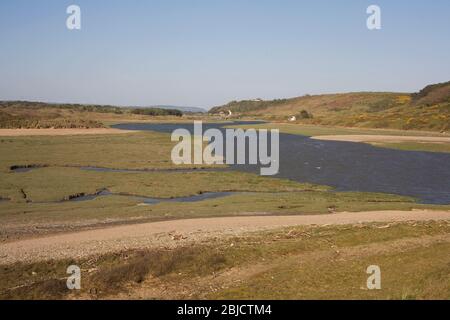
(428, 109)
(433, 94)
(325, 104)
(182, 109)
(26, 114)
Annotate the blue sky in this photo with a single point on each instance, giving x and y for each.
(208, 52)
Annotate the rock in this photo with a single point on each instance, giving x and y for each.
(331, 209)
(178, 237)
(291, 234)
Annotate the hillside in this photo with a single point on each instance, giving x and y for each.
(25, 114)
(428, 109)
(182, 109)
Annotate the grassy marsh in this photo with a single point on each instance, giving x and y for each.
(35, 197)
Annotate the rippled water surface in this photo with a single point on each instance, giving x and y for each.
(349, 166)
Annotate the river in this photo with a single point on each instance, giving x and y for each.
(348, 166)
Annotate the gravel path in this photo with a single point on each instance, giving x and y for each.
(172, 233)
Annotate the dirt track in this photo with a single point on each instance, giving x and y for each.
(172, 233)
(58, 132)
(382, 138)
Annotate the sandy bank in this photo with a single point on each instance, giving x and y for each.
(172, 233)
(58, 132)
(383, 138)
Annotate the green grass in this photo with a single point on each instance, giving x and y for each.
(142, 150)
(294, 263)
(58, 183)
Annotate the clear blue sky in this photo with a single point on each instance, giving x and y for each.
(208, 52)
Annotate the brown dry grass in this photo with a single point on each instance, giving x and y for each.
(297, 262)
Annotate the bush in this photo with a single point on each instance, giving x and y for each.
(305, 115)
(157, 112)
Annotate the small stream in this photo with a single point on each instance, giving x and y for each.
(147, 200)
(28, 168)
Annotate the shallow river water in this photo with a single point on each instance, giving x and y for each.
(349, 166)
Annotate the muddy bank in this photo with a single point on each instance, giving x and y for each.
(28, 168)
